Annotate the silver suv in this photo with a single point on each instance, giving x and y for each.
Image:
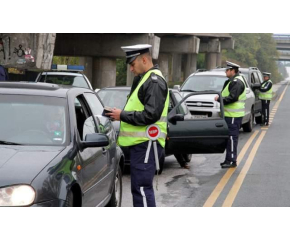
(204, 106)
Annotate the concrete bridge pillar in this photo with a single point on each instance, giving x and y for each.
(176, 67)
(104, 72)
(190, 66)
(163, 62)
(211, 48)
(87, 62)
(210, 60)
(219, 59)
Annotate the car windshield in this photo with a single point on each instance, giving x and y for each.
(114, 97)
(33, 120)
(204, 82)
(70, 80)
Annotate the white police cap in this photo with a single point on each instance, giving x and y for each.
(132, 52)
(267, 74)
(231, 65)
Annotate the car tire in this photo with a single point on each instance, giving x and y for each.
(248, 127)
(116, 198)
(259, 119)
(69, 202)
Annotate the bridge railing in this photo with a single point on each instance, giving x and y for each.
(281, 38)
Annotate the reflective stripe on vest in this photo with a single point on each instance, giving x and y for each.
(235, 109)
(266, 95)
(130, 135)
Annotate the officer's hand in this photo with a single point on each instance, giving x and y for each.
(216, 98)
(115, 114)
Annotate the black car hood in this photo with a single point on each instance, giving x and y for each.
(21, 164)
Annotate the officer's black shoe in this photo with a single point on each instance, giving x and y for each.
(266, 124)
(224, 162)
(229, 165)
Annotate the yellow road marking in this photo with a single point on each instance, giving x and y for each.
(239, 181)
(218, 189)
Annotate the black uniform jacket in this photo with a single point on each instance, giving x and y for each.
(267, 87)
(152, 94)
(236, 88)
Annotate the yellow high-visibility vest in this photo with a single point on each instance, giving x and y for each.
(130, 135)
(235, 109)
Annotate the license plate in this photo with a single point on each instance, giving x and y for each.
(199, 116)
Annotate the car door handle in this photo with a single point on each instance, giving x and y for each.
(219, 124)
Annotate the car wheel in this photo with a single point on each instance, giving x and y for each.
(259, 119)
(187, 157)
(248, 127)
(69, 199)
(116, 198)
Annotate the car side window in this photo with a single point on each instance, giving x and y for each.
(182, 108)
(94, 103)
(260, 77)
(256, 77)
(84, 119)
(252, 78)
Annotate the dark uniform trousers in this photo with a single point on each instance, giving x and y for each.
(265, 110)
(142, 174)
(234, 125)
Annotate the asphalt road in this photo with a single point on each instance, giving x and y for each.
(261, 179)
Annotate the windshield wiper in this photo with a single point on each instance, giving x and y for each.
(9, 143)
(187, 90)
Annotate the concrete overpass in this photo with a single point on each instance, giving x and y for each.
(283, 46)
(176, 53)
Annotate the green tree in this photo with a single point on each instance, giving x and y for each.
(64, 60)
(121, 72)
(255, 50)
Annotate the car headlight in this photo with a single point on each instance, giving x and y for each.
(18, 195)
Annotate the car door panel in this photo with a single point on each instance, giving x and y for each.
(93, 160)
(197, 135)
(105, 127)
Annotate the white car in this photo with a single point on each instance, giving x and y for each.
(204, 106)
(65, 75)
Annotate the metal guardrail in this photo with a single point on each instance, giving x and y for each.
(281, 38)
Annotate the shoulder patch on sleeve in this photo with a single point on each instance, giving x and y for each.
(154, 77)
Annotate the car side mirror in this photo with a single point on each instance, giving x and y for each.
(177, 87)
(255, 86)
(95, 140)
(175, 118)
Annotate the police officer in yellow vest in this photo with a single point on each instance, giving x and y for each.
(234, 96)
(147, 104)
(265, 95)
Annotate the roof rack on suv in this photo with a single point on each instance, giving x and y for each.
(254, 68)
(201, 70)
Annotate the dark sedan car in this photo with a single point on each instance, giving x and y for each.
(56, 149)
(186, 135)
